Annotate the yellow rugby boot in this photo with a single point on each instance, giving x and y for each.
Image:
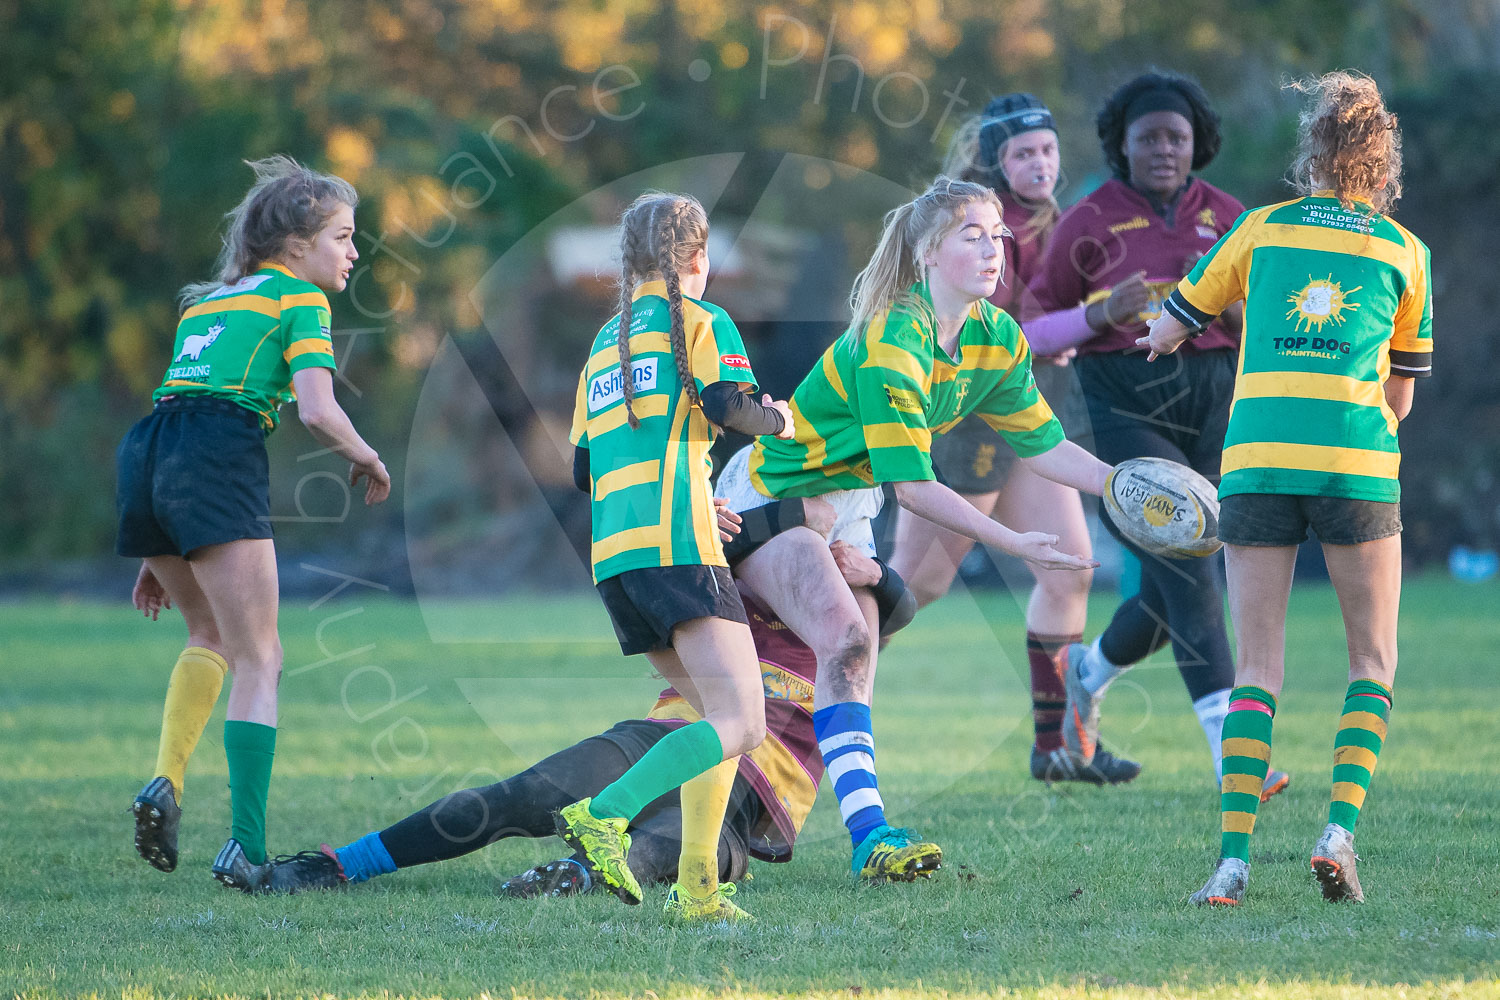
(683, 905)
(603, 844)
(889, 854)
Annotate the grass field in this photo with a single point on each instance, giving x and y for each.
(1065, 892)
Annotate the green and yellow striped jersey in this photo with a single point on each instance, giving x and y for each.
(868, 410)
(242, 342)
(1336, 301)
(652, 505)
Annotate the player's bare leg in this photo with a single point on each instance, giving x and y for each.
(240, 581)
(1260, 584)
(795, 574)
(1367, 579)
(192, 693)
(714, 665)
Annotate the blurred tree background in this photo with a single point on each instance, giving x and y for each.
(466, 124)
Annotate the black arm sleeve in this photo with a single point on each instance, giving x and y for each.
(581, 477)
(727, 406)
(897, 605)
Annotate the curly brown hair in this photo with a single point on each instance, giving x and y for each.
(1347, 141)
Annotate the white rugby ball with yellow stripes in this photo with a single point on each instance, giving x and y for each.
(1164, 507)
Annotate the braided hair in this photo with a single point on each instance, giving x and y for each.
(660, 235)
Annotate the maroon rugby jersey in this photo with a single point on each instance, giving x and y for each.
(1023, 253)
(785, 770)
(1115, 232)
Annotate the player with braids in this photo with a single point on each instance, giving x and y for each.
(630, 252)
(924, 350)
(1011, 148)
(194, 482)
(1338, 323)
(677, 227)
(661, 376)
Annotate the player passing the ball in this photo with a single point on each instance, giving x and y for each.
(1012, 149)
(924, 350)
(661, 376)
(194, 483)
(1338, 323)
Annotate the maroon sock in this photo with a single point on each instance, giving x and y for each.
(1047, 693)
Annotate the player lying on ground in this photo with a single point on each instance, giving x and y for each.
(772, 792)
(1312, 442)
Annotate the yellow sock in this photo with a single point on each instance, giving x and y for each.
(191, 695)
(704, 800)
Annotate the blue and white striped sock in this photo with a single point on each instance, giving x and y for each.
(848, 746)
(365, 858)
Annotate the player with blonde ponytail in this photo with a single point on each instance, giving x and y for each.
(661, 377)
(924, 350)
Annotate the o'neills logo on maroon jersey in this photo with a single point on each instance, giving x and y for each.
(734, 361)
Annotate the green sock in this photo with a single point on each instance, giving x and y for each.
(1247, 757)
(250, 747)
(1367, 710)
(679, 756)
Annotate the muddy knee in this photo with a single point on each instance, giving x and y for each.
(844, 668)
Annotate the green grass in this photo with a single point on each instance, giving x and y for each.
(1067, 892)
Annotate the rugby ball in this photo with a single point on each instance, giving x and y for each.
(1165, 508)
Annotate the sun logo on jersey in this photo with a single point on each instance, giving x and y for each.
(1322, 301)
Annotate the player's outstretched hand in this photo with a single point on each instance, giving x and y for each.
(1040, 549)
(378, 481)
(1165, 336)
(729, 521)
(789, 430)
(859, 569)
(148, 595)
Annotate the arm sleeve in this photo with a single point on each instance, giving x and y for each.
(1015, 408)
(306, 336)
(581, 476)
(1411, 341)
(1055, 332)
(715, 349)
(891, 379)
(726, 405)
(896, 605)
